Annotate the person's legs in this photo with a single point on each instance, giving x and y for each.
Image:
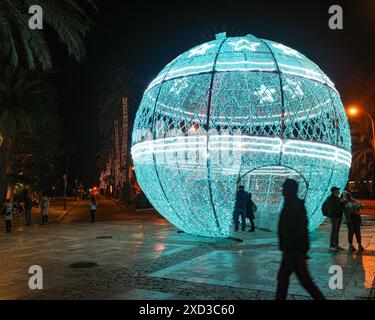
(350, 232)
(357, 232)
(337, 233)
(8, 225)
(235, 219)
(252, 228)
(283, 279)
(303, 275)
(332, 238)
(92, 214)
(29, 217)
(243, 219)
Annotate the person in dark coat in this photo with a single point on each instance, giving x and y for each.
(294, 243)
(28, 209)
(335, 213)
(354, 221)
(240, 207)
(251, 209)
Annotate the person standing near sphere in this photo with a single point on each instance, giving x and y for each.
(92, 208)
(251, 209)
(354, 221)
(242, 198)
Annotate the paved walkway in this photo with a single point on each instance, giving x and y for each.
(141, 256)
(56, 212)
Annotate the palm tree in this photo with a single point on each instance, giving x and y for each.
(21, 94)
(118, 92)
(66, 17)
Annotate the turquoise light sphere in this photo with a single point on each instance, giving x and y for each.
(239, 110)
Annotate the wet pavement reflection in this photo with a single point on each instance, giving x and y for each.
(141, 256)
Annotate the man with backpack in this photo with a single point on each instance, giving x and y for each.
(333, 208)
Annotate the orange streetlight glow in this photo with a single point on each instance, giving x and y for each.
(353, 110)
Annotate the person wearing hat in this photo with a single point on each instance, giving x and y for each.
(335, 213)
(240, 207)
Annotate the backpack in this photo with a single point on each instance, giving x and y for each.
(326, 208)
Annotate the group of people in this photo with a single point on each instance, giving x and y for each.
(293, 231)
(9, 208)
(337, 207)
(244, 208)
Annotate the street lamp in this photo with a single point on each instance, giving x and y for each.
(354, 111)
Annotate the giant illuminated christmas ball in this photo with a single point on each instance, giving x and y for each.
(239, 110)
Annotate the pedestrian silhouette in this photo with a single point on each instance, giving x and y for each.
(242, 198)
(92, 208)
(333, 208)
(294, 243)
(28, 209)
(44, 209)
(8, 215)
(354, 221)
(251, 209)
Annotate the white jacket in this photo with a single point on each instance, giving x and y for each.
(8, 211)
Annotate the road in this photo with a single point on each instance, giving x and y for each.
(107, 210)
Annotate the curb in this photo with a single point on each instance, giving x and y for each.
(62, 216)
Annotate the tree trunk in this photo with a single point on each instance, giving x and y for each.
(4, 163)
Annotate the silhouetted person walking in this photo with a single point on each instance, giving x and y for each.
(251, 209)
(294, 243)
(240, 207)
(92, 208)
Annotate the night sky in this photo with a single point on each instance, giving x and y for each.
(146, 35)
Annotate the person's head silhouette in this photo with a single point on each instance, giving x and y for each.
(241, 187)
(290, 188)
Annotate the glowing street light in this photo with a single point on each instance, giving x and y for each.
(354, 110)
